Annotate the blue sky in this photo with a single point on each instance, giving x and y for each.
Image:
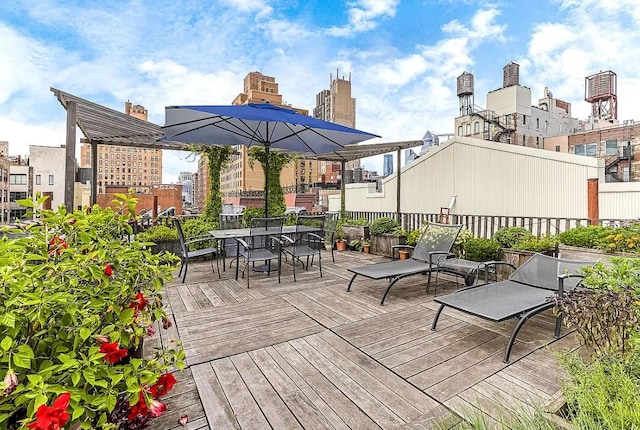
(403, 56)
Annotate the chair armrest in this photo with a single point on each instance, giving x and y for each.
(286, 239)
(564, 276)
(197, 239)
(447, 253)
(496, 263)
(396, 248)
(241, 242)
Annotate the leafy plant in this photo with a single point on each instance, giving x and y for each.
(78, 300)
(359, 221)
(413, 236)
(250, 213)
(603, 394)
(357, 244)
(339, 234)
(461, 240)
(383, 225)
(481, 249)
(509, 236)
(544, 244)
(589, 236)
(158, 233)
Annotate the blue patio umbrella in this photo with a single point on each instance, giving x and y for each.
(256, 124)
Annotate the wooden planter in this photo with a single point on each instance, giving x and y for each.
(356, 232)
(515, 257)
(170, 246)
(590, 254)
(381, 244)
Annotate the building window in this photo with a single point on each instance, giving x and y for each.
(476, 127)
(459, 130)
(468, 129)
(611, 147)
(50, 179)
(18, 179)
(588, 149)
(557, 148)
(537, 122)
(38, 180)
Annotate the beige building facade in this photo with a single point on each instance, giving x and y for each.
(4, 182)
(134, 168)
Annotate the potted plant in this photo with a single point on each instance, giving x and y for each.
(341, 239)
(366, 246)
(78, 300)
(162, 237)
(386, 233)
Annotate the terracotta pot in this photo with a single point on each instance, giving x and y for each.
(403, 255)
(341, 245)
(365, 249)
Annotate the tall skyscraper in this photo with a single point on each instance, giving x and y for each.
(186, 180)
(125, 166)
(337, 105)
(388, 165)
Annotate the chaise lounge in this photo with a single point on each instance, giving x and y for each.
(434, 245)
(527, 292)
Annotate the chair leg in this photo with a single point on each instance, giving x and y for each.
(435, 319)
(237, 265)
(184, 274)
(319, 263)
(294, 269)
(517, 328)
(332, 257)
(351, 282)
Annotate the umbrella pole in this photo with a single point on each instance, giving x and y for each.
(266, 181)
(342, 189)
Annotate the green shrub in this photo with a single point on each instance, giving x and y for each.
(509, 236)
(461, 240)
(383, 225)
(251, 213)
(198, 227)
(589, 236)
(544, 244)
(413, 236)
(158, 233)
(359, 221)
(603, 394)
(482, 249)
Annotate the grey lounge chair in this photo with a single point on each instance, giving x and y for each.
(526, 293)
(434, 245)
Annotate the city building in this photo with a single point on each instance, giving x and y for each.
(20, 186)
(48, 165)
(186, 180)
(124, 166)
(388, 165)
(336, 105)
(4, 182)
(239, 179)
(509, 116)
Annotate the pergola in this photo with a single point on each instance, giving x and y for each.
(101, 125)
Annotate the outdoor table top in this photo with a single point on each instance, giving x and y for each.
(246, 232)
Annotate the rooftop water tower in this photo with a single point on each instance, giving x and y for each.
(510, 75)
(465, 93)
(601, 90)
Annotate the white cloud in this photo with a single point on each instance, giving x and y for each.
(363, 16)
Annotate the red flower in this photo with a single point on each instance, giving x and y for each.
(52, 417)
(183, 420)
(140, 408)
(112, 353)
(56, 245)
(157, 408)
(107, 269)
(139, 302)
(163, 385)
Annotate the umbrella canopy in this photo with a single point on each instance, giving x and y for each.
(258, 124)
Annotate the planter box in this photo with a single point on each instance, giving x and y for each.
(381, 244)
(517, 258)
(356, 232)
(171, 246)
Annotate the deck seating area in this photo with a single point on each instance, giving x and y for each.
(311, 355)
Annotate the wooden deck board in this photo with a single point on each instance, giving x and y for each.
(312, 355)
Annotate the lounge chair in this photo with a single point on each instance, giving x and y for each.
(434, 245)
(526, 293)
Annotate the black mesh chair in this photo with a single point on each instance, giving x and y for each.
(205, 245)
(330, 224)
(307, 242)
(228, 247)
(263, 245)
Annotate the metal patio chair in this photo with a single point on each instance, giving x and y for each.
(187, 254)
(262, 245)
(305, 244)
(434, 245)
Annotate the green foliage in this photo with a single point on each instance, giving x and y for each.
(339, 234)
(461, 240)
(217, 158)
(199, 228)
(251, 213)
(603, 394)
(70, 285)
(544, 244)
(359, 221)
(589, 236)
(413, 236)
(482, 249)
(158, 233)
(357, 244)
(509, 236)
(277, 162)
(383, 225)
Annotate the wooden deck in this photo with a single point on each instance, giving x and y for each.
(311, 355)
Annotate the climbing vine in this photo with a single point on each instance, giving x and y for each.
(217, 159)
(277, 162)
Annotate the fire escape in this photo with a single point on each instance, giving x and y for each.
(505, 128)
(614, 164)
